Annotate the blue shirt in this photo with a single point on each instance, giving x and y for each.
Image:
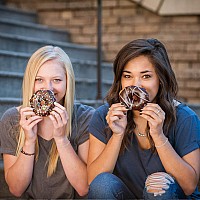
(135, 164)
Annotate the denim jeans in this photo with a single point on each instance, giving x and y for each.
(109, 186)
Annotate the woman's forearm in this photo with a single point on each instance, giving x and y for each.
(180, 169)
(19, 174)
(106, 160)
(75, 169)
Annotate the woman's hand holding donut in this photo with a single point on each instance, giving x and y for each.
(155, 116)
(59, 118)
(117, 119)
(28, 122)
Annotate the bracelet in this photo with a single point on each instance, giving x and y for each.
(27, 154)
(162, 144)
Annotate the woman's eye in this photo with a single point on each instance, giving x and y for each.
(38, 80)
(146, 76)
(126, 76)
(57, 80)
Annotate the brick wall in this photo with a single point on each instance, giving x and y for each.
(123, 21)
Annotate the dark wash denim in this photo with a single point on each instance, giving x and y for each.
(109, 186)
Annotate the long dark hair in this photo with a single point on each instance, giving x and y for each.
(168, 88)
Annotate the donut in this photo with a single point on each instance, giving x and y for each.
(42, 102)
(134, 97)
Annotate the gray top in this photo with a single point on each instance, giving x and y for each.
(57, 186)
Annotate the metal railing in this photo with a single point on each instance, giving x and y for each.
(99, 49)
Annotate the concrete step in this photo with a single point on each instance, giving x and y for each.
(16, 62)
(10, 42)
(10, 26)
(13, 13)
(85, 88)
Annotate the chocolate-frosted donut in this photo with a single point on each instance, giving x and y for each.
(42, 102)
(134, 97)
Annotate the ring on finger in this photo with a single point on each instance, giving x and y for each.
(158, 111)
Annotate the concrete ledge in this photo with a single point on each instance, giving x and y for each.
(195, 108)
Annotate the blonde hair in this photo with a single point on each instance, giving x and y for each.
(38, 58)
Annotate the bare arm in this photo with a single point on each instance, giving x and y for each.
(102, 157)
(18, 170)
(182, 169)
(74, 165)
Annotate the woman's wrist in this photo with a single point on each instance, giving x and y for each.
(160, 141)
(62, 142)
(119, 136)
(26, 153)
(28, 148)
(29, 142)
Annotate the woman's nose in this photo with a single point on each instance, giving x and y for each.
(48, 86)
(137, 82)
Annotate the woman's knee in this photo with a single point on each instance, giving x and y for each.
(103, 181)
(105, 186)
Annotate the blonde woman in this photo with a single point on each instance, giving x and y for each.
(45, 157)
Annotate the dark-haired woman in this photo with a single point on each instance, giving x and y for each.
(150, 153)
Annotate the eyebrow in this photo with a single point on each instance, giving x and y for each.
(126, 71)
(58, 76)
(143, 72)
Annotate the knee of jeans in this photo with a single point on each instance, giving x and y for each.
(102, 181)
(158, 183)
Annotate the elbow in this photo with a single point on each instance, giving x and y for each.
(83, 191)
(189, 189)
(15, 192)
(188, 192)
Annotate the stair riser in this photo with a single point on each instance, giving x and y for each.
(84, 90)
(11, 86)
(32, 31)
(14, 63)
(9, 62)
(17, 15)
(28, 46)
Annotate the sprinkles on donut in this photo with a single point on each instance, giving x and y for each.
(42, 102)
(134, 97)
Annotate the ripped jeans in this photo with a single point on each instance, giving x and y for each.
(158, 186)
